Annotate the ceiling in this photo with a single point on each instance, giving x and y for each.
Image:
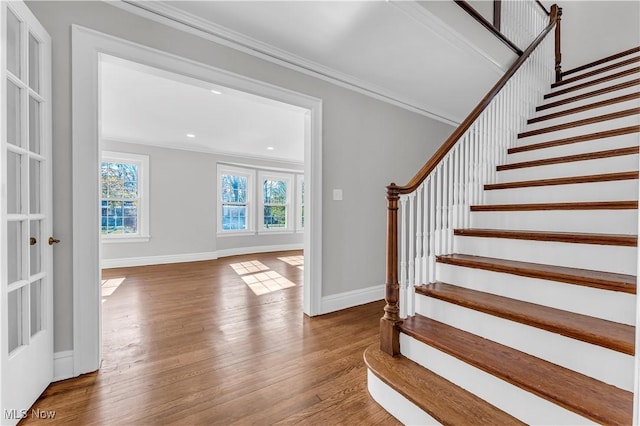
(399, 52)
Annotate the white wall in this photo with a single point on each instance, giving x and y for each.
(592, 30)
(366, 144)
(183, 208)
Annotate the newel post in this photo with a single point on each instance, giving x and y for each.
(389, 333)
(558, 13)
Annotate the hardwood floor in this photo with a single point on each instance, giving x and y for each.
(192, 343)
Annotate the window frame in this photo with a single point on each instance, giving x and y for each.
(250, 174)
(142, 161)
(288, 178)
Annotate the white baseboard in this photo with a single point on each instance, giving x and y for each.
(126, 262)
(157, 260)
(348, 299)
(259, 249)
(62, 365)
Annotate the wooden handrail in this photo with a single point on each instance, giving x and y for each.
(558, 67)
(471, 118)
(389, 330)
(543, 8)
(488, 25)
(497, 14)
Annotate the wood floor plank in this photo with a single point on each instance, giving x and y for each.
(191, 343)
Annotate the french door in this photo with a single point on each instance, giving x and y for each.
(26, 307)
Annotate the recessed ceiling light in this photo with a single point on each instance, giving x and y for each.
(270, 148)
(191, 135)
(215, 92)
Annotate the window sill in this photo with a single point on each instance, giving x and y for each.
(235, 233)
(125, 239)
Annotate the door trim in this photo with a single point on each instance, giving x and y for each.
(87, 45)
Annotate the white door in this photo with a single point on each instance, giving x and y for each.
(26, 307)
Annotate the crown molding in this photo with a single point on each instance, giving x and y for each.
(171, 16)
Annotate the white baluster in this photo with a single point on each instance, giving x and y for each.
(412, 254)
(419, 234)
(403, 256)
(432, 228)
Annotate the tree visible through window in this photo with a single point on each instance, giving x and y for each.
(275, 203)
(120, 198)
(234, 202)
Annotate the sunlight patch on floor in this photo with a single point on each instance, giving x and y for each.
(266, 282)
(293, 260)
(249, 267)
(109, 286)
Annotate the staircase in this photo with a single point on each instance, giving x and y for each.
(530, 317)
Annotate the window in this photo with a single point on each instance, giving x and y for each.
(300, 203)
(124, 197)
(275, 201)
(253, 201)
(235, 199)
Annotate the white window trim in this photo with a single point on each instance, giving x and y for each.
(250, 174)
(289, 179)
(142, 161)
(299, 205)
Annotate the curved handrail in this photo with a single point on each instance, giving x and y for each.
(431, 164)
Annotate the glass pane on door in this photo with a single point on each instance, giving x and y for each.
(14, 128)
(14, 183)
(34, 186)
(35, 302)
(14, 251)
(16, 319)
(34, 63)
(13, 43)
(36, 244)
(34, 125)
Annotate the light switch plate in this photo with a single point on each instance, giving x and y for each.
(337, 195)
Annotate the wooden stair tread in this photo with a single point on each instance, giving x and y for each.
(606, 102)
(588, 74)
(561, 237)
(602, 61)
(582, 122)
(604, 79)
(605, 177)
(446, 402)
(619, 86)
(608, 334)
(576, 139)
(571, 158)
(584, 277)
(576, 392)
(583, 205)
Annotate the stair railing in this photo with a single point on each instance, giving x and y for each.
(436, 200)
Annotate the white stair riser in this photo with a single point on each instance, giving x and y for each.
(594, 221)
(622, 141)
(397, 405)
(593, 191)
(622, 163)
(610, 305)
(632, 120)
(521, 404)
(599, 75)
(595, 112)
(590, 88)
(589, 100)
(595, 361)
(585, 256)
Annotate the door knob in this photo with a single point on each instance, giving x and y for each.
(32, 241)
(53, 241)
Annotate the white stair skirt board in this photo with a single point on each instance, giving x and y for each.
(586, 101)
(576, 192)
(395, 404)
(596, 145)
(588, 89)
(594, 112)
(595, 361)
(574, 168)
(606, 304)
(617, 259)
(587, 221)
(616, 123)
(513, 400)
